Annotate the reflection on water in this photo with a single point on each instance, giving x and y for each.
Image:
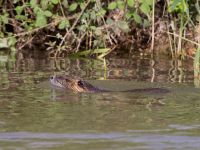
(128, 140)
(157, 70)
(35, 116)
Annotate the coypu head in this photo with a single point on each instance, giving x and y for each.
(73, 84)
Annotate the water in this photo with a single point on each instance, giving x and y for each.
(33, 115)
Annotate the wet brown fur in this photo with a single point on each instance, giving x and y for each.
(78, 85)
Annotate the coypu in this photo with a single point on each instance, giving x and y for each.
(78, 85)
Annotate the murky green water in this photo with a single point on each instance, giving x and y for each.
(33, 115)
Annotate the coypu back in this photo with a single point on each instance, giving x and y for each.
(78, 85)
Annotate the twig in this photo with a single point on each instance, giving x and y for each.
(125, 8)
(90, 40)
(47, 25)
(79, 43)
(62, 9)
(26, 42)
(105, 27)
(34, 30)
(176, 35)
(153, 32)
(170, 43)
(73, 26)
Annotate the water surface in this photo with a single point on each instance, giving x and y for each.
(33, 115)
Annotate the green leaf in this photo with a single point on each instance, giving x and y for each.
(123, 25)
(21, 17)
(4, 18)
(3, 58)
(63, 24)
(41, 20)
(175, 3)
(89, 52)
(47, 13)
(180, 6)
(11, 41)
(10, 34)
(101, 12)
(102, 50)
(44, 4)
(130, 3)
(36, 9)
(33, 3)
(65, 4)
(129, 14)
(93, 28)
(197, 8)
(112, 5)
(1, 34)
(19, 9)
(145, 8)
(54, 1)
(137, 18)
(82, 28)
(120, 4)
(13, 49)
(98, 32)
(93, 15)
(3, 43)
(59, 36)
(146, 23)
(82, 5)
(148, 2)
(15, 1)
(109, 21)
(73, 6)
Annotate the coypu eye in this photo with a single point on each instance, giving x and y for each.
(51, 77)
(80, 83)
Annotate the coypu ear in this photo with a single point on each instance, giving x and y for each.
(67, 80)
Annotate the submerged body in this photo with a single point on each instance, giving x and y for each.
(78, 85)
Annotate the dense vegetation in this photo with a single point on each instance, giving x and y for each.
(64, 26)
